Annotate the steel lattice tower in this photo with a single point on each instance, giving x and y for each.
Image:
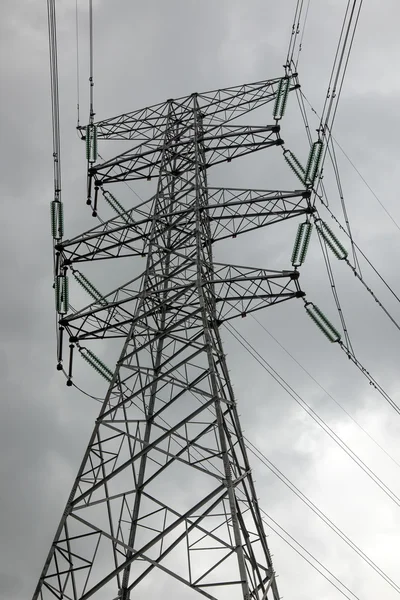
(165, 490)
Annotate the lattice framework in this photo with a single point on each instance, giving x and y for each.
(165, 485)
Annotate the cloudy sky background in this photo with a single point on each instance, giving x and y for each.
(146, 52)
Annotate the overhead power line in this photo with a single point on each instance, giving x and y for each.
(334, 139)
(328, 394)
(320, 514)
(294, 33)
(312, 413)
(356, 268)
(309, 558)
(91, 58)
(77, 64)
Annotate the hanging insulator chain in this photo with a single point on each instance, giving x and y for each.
(313, 163)
(57, 219)
(116, 206)
(306, 175)
(91, 143)
(294, 164)
(301, 243)
(61, 289)
(281, 98)
(97, 364)
(89, 287)
(331, 240)
(322, 322)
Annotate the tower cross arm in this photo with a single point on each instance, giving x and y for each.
(112, 317)
(217, 106)
(140, 125)
(237, 291)
(121, 236)
(235, 211)
(220, 143)
(230, 212)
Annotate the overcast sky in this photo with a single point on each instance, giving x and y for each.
(146, 52)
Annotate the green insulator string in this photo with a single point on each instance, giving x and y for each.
(89, 287)
(87, 140)
(91, 143)
(331, 240)
(301, 243)
(294, 164)
(57, 219)
(97, 364)
(313, 163)
(306, 175)
(322, 322)
(281, 98)
(95, 142)
(61, 289)
(306, 242)
(116, 206)
(296, 247)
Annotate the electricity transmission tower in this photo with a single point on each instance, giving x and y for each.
(164, 500)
